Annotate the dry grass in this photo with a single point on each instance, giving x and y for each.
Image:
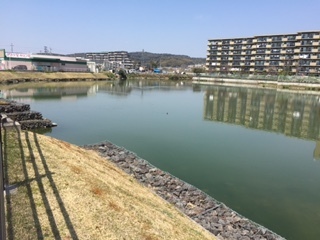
(7, 75)
(66, 192)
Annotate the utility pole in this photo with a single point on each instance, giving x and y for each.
(11, 47)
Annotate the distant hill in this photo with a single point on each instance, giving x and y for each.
(163, 59)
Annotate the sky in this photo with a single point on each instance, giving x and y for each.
(168, 26)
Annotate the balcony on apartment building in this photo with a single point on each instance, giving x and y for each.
(274, 57)
(237, 47)
(261, 45)
(226, 42)
(277, 39)
(261, 51)
(259, 63)
(291, 38)
(306, 43)
(276, 45)
(237, 52)
(274, 63)
(236, 64)
(261, 39)
(307, 35)
(305, 49)
(237, 41)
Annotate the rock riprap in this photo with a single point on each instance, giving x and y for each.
(203, 209)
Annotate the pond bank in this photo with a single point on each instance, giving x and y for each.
(11, 77)
(304, 86)
(203, 209)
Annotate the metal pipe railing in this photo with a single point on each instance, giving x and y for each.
(2, 188)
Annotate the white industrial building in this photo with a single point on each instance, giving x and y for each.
(38, 62)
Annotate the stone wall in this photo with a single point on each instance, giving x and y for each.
(20, 112)
(214, 216)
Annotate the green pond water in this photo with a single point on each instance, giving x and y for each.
(256, 150)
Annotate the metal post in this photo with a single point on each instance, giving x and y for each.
(2, 208)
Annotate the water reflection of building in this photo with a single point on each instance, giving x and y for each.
(49, 92)
(296, 115)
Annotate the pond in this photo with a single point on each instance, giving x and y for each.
(256, 150)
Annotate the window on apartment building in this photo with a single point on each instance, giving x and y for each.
(258, 68)
(226, 42)
(291, 38)
(305, 49)
(304, 62)
(248, 52)
(261, 51)
(262, 45)
(318, 63)
(274, 63)
(259, 63)
(247, 58)
(225, 47)
(247, 63)
(306, 42)
(274, 56)
(276, 45)
(236, 52)
(307, 35)
(275, 50)
(276, 39)
(290, 44)
(262, 39)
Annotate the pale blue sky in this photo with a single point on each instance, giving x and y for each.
(167, 26)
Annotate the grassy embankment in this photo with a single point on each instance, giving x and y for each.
(43, 76)
(65, 192)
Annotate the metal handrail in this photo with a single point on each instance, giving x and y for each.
(2, 188)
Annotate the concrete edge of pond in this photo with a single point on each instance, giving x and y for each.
(214, 216)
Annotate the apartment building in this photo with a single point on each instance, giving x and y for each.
(111, 60)
(297, 53)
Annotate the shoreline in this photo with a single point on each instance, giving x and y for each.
(214, 216)
(279, 85)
